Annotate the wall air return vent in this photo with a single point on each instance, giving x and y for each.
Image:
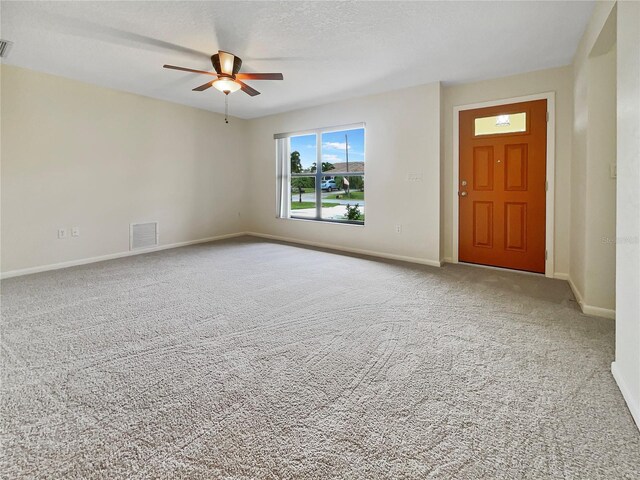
(5, 46)
(143, 235)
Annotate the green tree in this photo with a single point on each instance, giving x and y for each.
(300, 183)
(326, 166)
(356, 183)
(296, 164)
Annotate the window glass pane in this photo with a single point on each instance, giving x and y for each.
(511, 123)
(343, 198)
(303, 197)
(303, 153)
(343, 151)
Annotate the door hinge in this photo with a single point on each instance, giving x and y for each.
(546, 255)
(547, 116)
(546, 185)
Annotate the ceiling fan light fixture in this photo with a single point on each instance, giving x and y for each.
(226, 85)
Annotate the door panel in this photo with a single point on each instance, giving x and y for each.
(503, 175)
(483, 168)
(483, 224)
(515, 167)
(515, 227)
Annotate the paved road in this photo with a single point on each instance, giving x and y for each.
(311, 197)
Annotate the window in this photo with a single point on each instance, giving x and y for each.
(323, 175)
(497, 124)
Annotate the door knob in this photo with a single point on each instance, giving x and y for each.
(463, 194)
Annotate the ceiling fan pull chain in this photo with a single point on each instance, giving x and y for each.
(226, 107)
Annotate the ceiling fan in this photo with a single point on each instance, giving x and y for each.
(228, 80)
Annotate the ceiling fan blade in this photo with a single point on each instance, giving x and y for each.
(95, 30)
(259, 76)
(247, 89)
(204, 87)
(183, 69)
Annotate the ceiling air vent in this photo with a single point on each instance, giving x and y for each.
(5, 46)
(143, 235)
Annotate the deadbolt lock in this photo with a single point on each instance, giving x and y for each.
(464, 183)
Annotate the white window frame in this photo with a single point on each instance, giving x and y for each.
(319, 173)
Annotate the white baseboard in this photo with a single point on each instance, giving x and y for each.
(371, 253)
(590, 309)
(598, 311)
(576, 293)
(632, 403)
(111, 256)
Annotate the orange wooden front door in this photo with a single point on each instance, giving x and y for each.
(502, 186)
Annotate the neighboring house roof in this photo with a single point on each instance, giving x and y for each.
(341, 167)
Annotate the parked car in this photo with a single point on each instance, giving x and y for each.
(328, 185)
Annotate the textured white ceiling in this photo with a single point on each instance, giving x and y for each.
(326, 50)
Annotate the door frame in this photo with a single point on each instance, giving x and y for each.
(550, 97)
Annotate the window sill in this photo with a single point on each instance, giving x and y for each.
(321, 220)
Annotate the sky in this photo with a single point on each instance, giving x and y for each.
(333, 147)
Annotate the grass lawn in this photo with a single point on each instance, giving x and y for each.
(295, 205)
(343, 196)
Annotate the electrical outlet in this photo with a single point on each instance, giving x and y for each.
(75, 232)
(398, 228)
(62, 233)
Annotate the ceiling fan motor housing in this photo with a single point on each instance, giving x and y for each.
(218, 63)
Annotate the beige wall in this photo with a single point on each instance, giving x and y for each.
(79, 155)
(558, 80)
(402, 137)
(627, 364)
(592, 224)
(600, 273)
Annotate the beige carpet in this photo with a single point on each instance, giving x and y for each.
(252, 359)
